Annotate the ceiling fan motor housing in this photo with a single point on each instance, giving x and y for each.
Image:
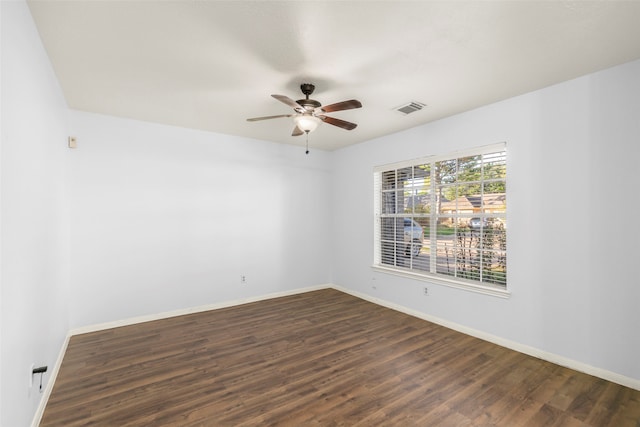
(309, 104)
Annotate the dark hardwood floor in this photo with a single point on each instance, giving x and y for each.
(322, 358)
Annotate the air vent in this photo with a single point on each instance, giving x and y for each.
(411, 107)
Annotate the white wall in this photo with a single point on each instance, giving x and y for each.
(34, 227)
(165, 218)
(573, 151)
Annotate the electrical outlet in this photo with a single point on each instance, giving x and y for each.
(243, 279)
(426, 291)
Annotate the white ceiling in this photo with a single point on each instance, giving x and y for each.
(211, 64)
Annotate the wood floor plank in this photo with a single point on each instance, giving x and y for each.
(321, 358)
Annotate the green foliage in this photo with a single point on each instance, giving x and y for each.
(464, 176)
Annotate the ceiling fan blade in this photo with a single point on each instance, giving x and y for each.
(297, 131)
(255, 119)
(337, 122)
(290, 102)
(344, 105)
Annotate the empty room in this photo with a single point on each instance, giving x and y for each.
(319, 213)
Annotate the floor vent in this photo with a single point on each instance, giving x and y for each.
(411, 107)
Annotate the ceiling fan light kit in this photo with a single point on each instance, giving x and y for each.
(307, 122)
(309, 113)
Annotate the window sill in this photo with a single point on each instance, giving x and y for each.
(480, 289)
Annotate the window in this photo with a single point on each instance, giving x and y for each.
(444, 217)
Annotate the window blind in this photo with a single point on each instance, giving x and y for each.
(444, 216)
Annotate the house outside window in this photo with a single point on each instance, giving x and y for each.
(444, 218)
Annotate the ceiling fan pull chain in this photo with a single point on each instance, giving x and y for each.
(307, 152)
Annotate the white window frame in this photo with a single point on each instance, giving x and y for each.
(431, 275)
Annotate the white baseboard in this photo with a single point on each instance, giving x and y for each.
(522, 348)
(47, 391)
(191, 310)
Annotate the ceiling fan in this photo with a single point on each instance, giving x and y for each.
(309, 113)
